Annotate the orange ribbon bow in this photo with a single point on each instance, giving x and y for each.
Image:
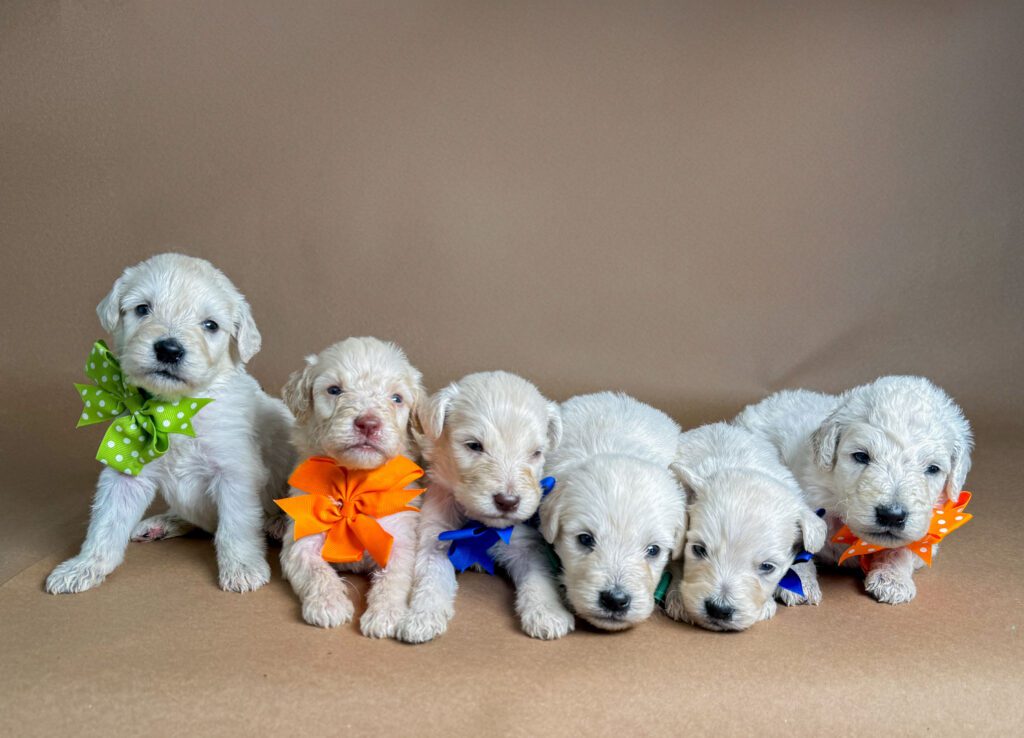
(945, 520)
(347, 502)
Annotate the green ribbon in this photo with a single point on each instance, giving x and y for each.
(140, 425)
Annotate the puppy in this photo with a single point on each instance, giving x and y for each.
(748, 521)
(485, 439)
(181, 328)
(878, 458)
(353, 403)
(617, 513)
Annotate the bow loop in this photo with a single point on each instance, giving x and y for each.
(471, 545)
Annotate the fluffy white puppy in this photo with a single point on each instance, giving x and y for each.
(617, 513)
(748, 521)
(485, 438)
(353, 403)
(181, 328)
(878, 458)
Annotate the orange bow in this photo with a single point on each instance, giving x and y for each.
(945, 520)
(347, 502)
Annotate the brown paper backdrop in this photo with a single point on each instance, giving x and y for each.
(697, 203)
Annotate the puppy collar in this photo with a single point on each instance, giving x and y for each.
(944, 521)
(662, 589)
(141, 423)
(345, 503)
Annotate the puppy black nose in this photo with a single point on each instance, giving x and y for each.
(718, 610)
(506, 502)
(168, 351)
(367, 424)
(614, 600)
(891, 516)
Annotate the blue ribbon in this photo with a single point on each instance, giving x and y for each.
(791, 580)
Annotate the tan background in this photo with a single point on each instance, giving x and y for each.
(696, 203)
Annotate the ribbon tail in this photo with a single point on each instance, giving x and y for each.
(300, 509)
(342, 545)
(374, 539)
(791, 582)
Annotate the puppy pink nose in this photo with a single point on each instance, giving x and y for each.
(367, 424)
(506, 502)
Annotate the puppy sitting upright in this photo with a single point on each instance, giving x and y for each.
(617, 514)
(485, 438)
(352, 405)
(181, 330)
(879, 459)
(748, 526)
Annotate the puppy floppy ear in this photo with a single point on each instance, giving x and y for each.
(550, 514)
(689, 481)
(247, 336)
(554, 425)
(432, 413)
(297, 392)
(679, 542)
(960, 464)
(109, 309)
(813, 530)
(824, 442)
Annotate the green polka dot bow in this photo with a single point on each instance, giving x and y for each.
(139, 423)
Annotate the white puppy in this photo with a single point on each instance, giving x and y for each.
(878, 458)
(485, 438)
(181, 328)
(616, 514)
(353, 403)
(748, 521)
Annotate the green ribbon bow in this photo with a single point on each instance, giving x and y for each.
(141, 423)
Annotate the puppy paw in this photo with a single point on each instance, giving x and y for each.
(423, 626)
(75, 575)
(768, 611)
(674, 605)
(889, 587)
(237, 576)
(548, 623)
(328, 610)
(159, 527)
(811, 595)
(381, 622)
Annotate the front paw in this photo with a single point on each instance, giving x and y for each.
(768, 611)
(811, 595)
(75, 575)
(238, 576)
(890, 587)
(381, 622)
(674, 605)
(548, 623)
(328, 610)
(420, 626)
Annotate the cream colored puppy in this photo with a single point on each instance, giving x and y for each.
(353, 403)
(748, 521)
(485, 439)
(616, 515)
(181, 328)
(878, 458)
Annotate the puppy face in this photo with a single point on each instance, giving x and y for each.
(178, 325)
(745, 530)
(614, 523)
(485, 437)
(353, 402)
(892, 448)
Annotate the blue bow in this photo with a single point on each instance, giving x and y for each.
(471, 544)
(791, 580)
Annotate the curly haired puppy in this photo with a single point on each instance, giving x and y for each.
(617, 513)
(485, 439)
(878, 458)
(181, 328)
(353, 403)
(748, 521)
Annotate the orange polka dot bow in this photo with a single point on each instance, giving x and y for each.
(346, 504)
(945, 520)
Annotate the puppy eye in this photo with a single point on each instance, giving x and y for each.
(586, 540)
(653, 550)
(211, 325)
(766, 568)
(143, 310)
(334, 390)
(932, 470)
(538, 453)
(475, 446)
(397, 399)
(860, 457)
(698, 551)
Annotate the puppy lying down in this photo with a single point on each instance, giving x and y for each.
(747, 524)
(616, 514)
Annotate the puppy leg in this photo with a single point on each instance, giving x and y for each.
(769, 610)
(119, 504)
(432, 601)
(159, 527)
(538, 602)
(808, 574)
(325, 603)
(891, 576)
(241, 545)
(388, 599)
(674, 597)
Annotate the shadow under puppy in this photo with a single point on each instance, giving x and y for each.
(748, 523)
(879, 458)
(353, 403)
(617, 514)
(485, 438)
(181, 331)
